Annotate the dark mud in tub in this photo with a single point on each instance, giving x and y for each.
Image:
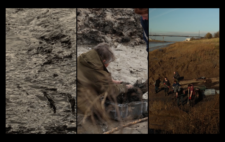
(40, 71)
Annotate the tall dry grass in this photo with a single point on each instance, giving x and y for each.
(190, 58)
(201, 119)
(94, 115)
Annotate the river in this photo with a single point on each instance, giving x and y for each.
(157, 45)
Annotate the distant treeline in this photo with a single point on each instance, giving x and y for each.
(208, 36)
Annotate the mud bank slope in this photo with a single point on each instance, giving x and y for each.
(109, 25)
(40, 70)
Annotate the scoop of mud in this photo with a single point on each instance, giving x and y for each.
(133, 94)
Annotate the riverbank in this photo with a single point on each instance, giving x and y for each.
(192, 59)
(157, 41)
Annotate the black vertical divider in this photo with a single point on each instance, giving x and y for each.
(148, 71)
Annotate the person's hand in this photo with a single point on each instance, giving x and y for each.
(129, 86)
(117, 81)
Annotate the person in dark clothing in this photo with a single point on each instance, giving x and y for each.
(144, 23)
(157, 82)
(176, 86)
(166, 86)
(176, 76)
(180, 95)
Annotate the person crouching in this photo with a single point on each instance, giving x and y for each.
(94, 81)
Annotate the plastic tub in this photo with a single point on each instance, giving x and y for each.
(208, 92)
(131, 110)
(218, 91)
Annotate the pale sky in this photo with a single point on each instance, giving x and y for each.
(183, 21)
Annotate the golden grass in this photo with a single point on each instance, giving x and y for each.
(188, 47)
(190, 58)
(94, 114)
(201, 119)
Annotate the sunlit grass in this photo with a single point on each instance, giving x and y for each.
(201, 119)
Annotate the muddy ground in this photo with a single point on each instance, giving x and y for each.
(130, 66)
(40, 70)
(110, 25)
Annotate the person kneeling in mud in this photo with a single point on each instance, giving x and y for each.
(94, 81)
(166, 86)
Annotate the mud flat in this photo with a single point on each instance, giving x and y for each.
(130, 66)
(40, 70)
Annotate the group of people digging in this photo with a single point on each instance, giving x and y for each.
(179, 93)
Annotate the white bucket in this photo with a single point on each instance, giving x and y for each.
(218, 91)
(209, 92)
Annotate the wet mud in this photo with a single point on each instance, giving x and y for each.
(40, 71)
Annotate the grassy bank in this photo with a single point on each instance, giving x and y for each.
(191, 59)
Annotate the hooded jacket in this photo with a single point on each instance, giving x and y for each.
(94, 80)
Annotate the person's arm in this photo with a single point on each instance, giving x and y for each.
(119, 82)
(144, 24)
(113, 88)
